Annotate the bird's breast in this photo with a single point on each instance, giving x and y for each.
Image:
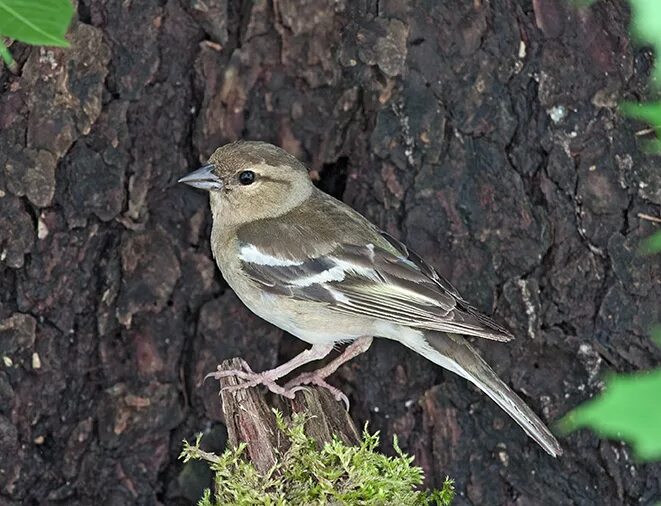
(310, 321)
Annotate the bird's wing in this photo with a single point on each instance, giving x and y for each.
(383, 280)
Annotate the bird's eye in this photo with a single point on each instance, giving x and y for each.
(246, 177)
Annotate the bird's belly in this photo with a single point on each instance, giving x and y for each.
(306, 320)
(309, 321)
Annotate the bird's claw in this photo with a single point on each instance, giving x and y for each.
(252, 379)
(270, 384)
(249, 379)
(245, 373)
(310, 378)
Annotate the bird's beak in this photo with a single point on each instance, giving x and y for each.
(203, 178)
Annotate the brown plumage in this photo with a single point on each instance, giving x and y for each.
(316, 268)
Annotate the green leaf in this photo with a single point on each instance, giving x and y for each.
(656, 334)
(629, 409)
(652, 244)
(37, 22)
(649, 112)
(582, 3)
(646, 28)
(6, 55)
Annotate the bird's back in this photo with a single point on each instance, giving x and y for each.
(314, 228)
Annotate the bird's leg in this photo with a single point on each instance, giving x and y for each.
(318, 377)
(268, 378)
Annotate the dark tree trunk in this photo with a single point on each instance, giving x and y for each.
(484, 133)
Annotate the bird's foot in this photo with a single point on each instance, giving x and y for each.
(250, 379)
(318, 379)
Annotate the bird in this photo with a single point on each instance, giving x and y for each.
(313, 266)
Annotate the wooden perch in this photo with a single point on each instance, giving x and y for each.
(250, 419)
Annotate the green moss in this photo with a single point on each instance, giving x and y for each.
(304, 474)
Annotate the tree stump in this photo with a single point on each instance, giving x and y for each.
(250, 419)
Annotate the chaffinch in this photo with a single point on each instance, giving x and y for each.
(314, 267)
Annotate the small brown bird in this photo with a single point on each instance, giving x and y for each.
(314, 267)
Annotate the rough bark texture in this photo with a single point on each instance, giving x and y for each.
(484, 133)
(250, 419)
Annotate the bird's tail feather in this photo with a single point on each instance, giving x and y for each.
(453, 352)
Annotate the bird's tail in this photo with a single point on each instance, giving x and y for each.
(453, 352)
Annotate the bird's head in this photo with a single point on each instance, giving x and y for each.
(249, 180)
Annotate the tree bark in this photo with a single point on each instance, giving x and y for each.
(484, 134)
(250, 419)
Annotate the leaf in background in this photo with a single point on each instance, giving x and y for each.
(649, 112)
(646, 27)
(582, 3)
(629, 409)
(6, 57)
(652, 244)
(42, 22)
(656, 334)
